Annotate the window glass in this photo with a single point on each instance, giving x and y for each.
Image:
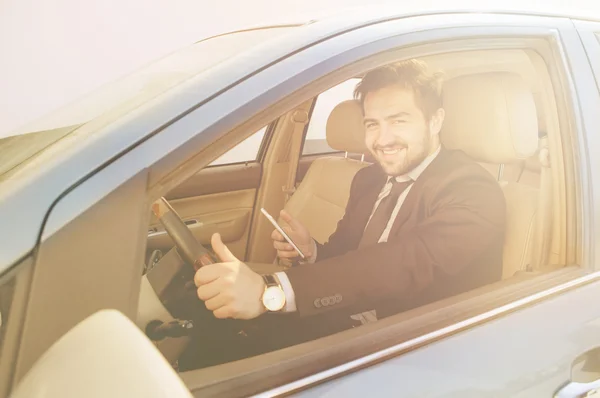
(473, 79)
(137, 88)
(316, 140)
(245, 151)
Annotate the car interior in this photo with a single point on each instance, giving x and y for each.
(500, 110)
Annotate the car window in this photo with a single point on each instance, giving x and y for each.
(462, 72)
(481, 81)
(245, 151)
(316, 136)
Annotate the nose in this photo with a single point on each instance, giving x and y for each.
(386, 137)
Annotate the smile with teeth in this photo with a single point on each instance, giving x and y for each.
(391, 151)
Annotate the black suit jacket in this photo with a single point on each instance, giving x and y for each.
(447, 239)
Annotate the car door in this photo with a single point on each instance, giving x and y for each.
(543, 345)
(527, 336)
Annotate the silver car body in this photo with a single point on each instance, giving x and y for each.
(521, 349)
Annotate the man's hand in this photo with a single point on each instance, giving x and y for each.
(298, 233)
(230, 289)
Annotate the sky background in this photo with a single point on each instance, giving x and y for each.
(55, 51)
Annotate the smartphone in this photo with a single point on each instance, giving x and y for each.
(282, 232)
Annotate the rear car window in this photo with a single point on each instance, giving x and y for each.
(316, 136)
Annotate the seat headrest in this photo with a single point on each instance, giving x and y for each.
(491, 117)
(345, 129)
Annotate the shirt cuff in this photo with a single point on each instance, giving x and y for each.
(286, 286)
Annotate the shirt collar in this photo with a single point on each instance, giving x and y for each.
(417, 171)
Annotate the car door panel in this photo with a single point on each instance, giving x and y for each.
(227, 213)
(217, 199)
(528, 353)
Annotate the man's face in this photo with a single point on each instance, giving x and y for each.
(397, 132)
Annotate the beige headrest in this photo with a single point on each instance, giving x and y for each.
(345, 129)
(491, 117)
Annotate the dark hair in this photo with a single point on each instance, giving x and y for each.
(412, 74)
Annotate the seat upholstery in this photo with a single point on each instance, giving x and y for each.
(320, 200)
(493, 119)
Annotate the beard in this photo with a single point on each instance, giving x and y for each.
(406, 159)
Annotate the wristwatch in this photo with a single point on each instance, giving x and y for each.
(273, 297)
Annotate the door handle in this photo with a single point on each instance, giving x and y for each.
(585, 377)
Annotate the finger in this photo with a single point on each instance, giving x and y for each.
(282, 245)
(276, 235)
(224, 312)
(221, 250)
(209, 290)
(291, 221)
(218, 301)
(288, 254)
(209, 273)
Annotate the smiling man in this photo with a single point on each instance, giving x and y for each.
(421, 224)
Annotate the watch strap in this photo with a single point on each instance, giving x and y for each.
(270, 280)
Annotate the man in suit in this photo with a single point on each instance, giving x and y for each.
(422, 223)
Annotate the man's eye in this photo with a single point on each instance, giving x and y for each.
(398, 121)
(370, 125)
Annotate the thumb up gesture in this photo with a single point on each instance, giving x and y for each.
(230, 289)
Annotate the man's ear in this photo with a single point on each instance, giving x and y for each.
(436, 121)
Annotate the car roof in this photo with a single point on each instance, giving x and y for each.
(27, 202)
(369, 14)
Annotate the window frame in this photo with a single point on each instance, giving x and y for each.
(495, 303)
(583, 59)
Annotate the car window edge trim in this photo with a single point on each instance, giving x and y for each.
(430, 337)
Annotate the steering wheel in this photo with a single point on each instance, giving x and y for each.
(188, 247)
(208, 345)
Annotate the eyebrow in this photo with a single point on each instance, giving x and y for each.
(394, 116)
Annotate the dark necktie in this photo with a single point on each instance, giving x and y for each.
(383, 213)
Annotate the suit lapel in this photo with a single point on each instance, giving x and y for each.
(365, 203)
(416, 191)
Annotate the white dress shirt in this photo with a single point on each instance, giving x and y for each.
(415, 173)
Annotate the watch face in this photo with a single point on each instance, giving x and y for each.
(273, 299)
